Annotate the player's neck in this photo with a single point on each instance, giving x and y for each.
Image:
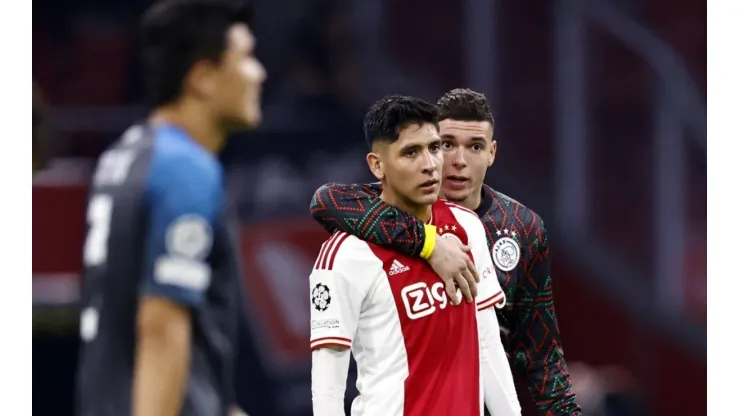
(196, 122)
(423, 212)
(472, 202)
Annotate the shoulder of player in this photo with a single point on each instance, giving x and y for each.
(177, 160)
(471, 223)
(512, 206)
(508, 203)
(466, 217)
(456, 208)
(347, 253)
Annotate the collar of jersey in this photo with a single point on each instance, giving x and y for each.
(486, 201)
(173, 130)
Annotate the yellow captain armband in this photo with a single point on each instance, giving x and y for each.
(430, 239)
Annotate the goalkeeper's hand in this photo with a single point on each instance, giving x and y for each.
(452, 264)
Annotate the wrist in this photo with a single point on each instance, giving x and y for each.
(430, 239)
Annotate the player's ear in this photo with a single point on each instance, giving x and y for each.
(492, 154)
(201, 79)
(375, 165)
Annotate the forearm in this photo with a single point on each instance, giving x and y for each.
(358, 210)
(329, 369)
(160, 375)
(499, 392)
(549, 384)
(539, 357)
(535, 341)
(549, 381)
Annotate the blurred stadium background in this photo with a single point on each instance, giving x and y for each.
(601, 123)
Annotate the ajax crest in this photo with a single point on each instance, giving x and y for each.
(506, 253)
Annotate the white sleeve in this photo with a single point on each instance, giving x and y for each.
(336, 304)
(328, 381)
(335, 309)
(489, 289)
(336, 300)
(499, 392)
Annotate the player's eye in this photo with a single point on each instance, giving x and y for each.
(447, 145)
(434, 148)
(410, 153)
(477, 147)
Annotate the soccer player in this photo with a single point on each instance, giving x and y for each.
(417, 355)
(516, 236)
(161, 302)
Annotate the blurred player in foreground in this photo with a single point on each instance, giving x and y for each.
(417, 355)
(162, 295)
(516, 237)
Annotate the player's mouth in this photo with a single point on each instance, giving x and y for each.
(456, 182)
(429, 186)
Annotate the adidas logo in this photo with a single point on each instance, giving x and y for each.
(397, 268)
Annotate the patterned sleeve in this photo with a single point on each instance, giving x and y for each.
(358, 210)
(534, 341)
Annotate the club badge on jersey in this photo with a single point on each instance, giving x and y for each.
(506, 251)
(189, 236)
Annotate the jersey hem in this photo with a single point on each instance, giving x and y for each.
(331, 342)
(491, 301)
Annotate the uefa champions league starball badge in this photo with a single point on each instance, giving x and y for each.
(320, 297)
(506, 251)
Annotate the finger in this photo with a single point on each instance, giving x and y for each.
(464, 287)
(452, 292)
(471, 282)
(463, 247)
(471, 268)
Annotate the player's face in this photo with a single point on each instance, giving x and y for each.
(468, 153)
(411, 167)
(240, 79)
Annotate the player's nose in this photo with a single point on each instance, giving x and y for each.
(428, 163)
(458, 159)
(261, 72)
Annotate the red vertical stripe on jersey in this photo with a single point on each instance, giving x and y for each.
(442, 346)
(333, 254)
(324, 249)
(321, 254)
(330, 249)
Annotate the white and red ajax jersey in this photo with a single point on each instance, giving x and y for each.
(416, 354)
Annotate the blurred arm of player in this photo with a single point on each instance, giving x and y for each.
(162, 357)
(183, 201)
(499, 391)
(545, 368)
(358, 210)
(336, 303)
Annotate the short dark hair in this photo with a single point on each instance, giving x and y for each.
(388, 116)
(464, 104)
(175, 34)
